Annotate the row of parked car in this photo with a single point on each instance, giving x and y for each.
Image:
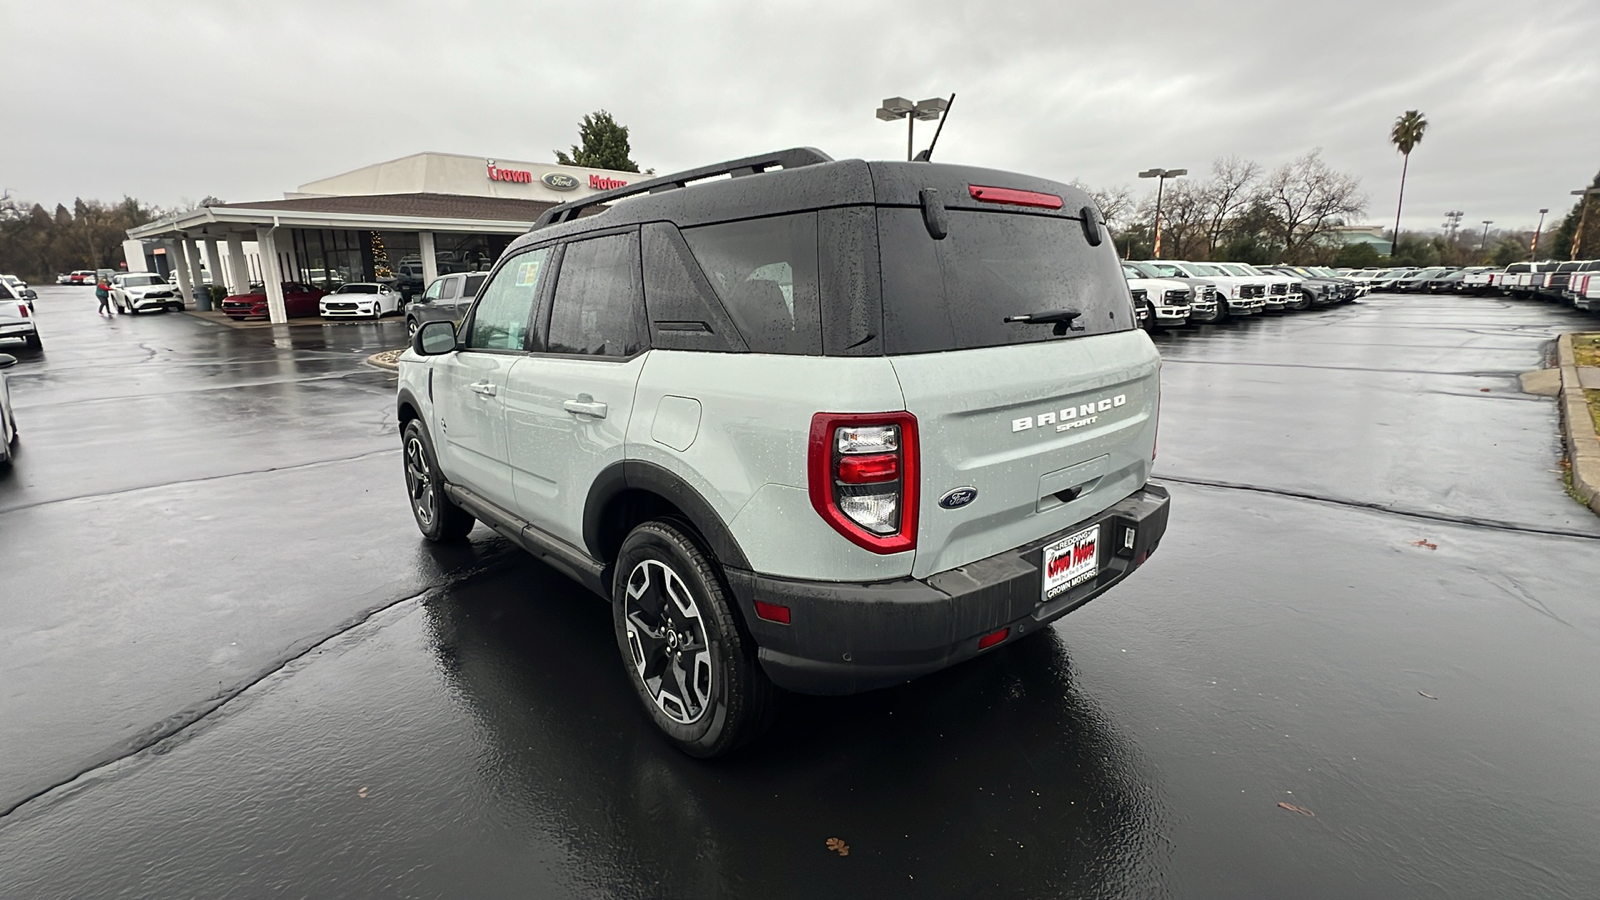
(1575, 283)
(1168, 293)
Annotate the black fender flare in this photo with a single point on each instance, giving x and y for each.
(402, 400)
(633, 474)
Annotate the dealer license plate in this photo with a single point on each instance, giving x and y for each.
(1071, 561)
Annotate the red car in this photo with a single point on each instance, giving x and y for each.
(298, 300)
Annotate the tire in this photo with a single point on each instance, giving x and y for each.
(33, 342)
(1150, 322)
(411, 327)
(1222, 310)
(438, 518)
(691, 664)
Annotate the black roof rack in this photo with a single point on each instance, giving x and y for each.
(792, 158)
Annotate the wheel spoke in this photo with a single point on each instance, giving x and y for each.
(685, 695)
(653, 642)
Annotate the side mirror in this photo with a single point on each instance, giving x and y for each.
(7, 360)
(434, 338)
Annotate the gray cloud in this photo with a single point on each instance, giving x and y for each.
(243, 101)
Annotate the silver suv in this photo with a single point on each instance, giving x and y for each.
(822, 426)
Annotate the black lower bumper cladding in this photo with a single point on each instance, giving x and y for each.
(848, 637)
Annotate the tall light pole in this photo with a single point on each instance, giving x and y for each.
(896, 108)
(1161, 175)
(1577, 236)
(1533, 252)
(1484, 241)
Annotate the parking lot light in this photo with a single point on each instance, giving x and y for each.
(1484, 241)
(1533, 252)
(1583, 218)
(1161, 175)
(896, 108)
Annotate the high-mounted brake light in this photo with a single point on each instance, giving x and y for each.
(862, 473)
(1015, 198)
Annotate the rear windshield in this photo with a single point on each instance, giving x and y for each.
(955, 293)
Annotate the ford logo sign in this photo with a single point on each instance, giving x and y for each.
(559, 181)
(959, 497)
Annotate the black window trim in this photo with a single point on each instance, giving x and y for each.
(547, 300)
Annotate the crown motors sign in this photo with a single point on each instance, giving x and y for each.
(516, 176)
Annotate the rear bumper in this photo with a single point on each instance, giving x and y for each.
(19, 329)
(845, 638)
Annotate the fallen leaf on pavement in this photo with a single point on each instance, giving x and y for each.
(838, 846)
(1298, 809)
(362, 792)
(1425, 543)
(1483, 390)
(1428, 695)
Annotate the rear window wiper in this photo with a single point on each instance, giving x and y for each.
(1060, 318)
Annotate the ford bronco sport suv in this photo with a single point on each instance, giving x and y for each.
(823, 426)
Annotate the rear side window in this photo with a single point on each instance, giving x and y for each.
(474, 284)
(765, 273)
(598, 308)
(955, 294)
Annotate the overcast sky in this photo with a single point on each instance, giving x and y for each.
(174, 101)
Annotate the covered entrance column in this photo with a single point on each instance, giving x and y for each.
(267, 245)
(214, 263)
(191, 254)
(430, 262)
(238, 266)
(180, 268)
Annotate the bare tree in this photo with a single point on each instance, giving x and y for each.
(1307, 199)
(1229, 192)
(1114, 203)
(1183, 219)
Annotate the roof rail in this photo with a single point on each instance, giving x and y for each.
(793, 158)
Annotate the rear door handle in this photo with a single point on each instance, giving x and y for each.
(585, 405)
(486, 388)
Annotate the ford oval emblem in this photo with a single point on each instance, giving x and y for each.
(559, 181)
(959, 497)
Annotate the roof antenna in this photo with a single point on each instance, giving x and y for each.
(927, 155)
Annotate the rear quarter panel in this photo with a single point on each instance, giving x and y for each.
(746, 453)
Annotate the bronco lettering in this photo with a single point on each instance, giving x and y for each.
(1083, 415)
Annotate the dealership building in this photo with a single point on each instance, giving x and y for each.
(408, 221)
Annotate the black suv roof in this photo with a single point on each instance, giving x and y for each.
(789, 181)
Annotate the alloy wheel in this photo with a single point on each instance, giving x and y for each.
(668, 642)
(419, 483)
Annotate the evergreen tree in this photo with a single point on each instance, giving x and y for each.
(604, 145)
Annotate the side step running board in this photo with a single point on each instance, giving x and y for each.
(552, 551)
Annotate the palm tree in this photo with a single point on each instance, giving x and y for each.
(1405, 136)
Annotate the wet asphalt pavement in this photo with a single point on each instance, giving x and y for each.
(229, 666)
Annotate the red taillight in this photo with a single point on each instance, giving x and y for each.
(862, 474)
(1014, 198)
(869, 469)
(989, 640)
(772, 612)
(23, 308)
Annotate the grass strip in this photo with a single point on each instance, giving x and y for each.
(1586, 348)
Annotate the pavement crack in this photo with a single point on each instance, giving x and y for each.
(182, 721)
(1472, 521)
(151, 487)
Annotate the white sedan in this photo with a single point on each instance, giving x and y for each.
(134, 292)
(362, 300)
(8, 420)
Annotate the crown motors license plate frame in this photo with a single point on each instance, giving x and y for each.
(1070, 562)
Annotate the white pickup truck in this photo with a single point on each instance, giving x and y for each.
(1241, 295)
(1167, 302)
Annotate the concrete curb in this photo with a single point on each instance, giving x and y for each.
(385, 360)
(1583, 445)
